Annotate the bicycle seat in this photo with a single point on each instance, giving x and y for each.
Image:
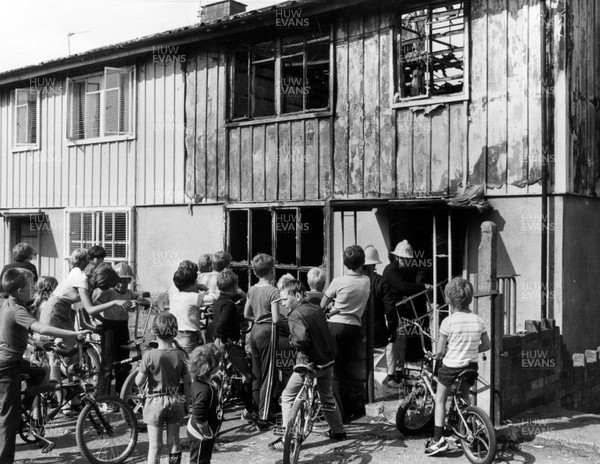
(304, 369)
(466, 374)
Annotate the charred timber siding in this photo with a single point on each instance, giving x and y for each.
(367, 149)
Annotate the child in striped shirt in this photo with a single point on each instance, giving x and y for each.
(462, 337)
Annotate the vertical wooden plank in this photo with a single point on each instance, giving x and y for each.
(298, 158)
(178, 130)
(46, 144)
(387, 168)
(201, 125)
(517, 134)
(222, 178)
(596, 92)
(142, 129)
(246, 156)
(340, 154)
(150, 154)
(357, 111)
(325, 167)
(60, 153)
(234, 164)
(311, 160)
(535, 98)
(458, 147)
(592, 53)
(422, 153)
(258, 163)
(211, 125)
(496, 74)
(116, 176)
(440, 145)
(284, 161)
(404, 155)
(98, 183)
(477, 143)
(161, 147)
(271, 163)
(167, 127)
(371, 69)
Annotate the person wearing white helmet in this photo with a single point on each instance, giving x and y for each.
(385, 317)
(401, 280)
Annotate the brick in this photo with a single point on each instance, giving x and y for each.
(532, 326)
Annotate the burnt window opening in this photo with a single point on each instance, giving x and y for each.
(295, 238)
(288, 75)
(430, 50)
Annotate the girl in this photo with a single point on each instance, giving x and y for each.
(204, 422)
(45, 286)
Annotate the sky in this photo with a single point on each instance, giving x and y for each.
(32, 31)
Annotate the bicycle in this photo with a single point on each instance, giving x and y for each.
(106, 431)
(303, 415)
(469, 425)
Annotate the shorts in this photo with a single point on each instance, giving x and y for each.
(164, 409)
(447, 375)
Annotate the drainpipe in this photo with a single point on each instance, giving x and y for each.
(547, 149)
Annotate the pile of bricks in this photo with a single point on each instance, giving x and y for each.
(536, 370)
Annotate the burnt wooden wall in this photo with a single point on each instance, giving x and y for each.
(368, 149)
(584, 93)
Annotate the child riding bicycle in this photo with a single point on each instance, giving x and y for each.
(462, 336)
(311, 337)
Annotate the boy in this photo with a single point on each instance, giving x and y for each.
(204, 421)
(219, 261)
(312, 340)
(316, 283)
(350, 294)
(15, 322)
(160, 372)
(227, 322)
(113, 285)
(262, 307)
(185, 306)
(95, 256)
(462, 337)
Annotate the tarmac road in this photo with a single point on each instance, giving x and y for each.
(370, 440)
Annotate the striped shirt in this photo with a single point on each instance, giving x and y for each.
(463, 331)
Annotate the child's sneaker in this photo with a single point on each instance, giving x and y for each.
(437, 447)
(248, 416)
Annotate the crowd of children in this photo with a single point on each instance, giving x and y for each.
(322, 325)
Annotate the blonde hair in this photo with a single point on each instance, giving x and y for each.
(203, 361)
(459, 293)
(79, 258)
(316, 279)
(283, 279)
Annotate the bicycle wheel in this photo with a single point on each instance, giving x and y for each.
(132, 394)
(294, 434)
(90, 366)
(481, 449)
(106, 431)
(416, 415)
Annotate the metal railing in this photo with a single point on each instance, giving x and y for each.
(507, 287)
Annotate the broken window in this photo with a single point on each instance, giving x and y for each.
(431, 51)
(293, 236)
(296, 67)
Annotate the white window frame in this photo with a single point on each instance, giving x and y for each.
(104, 136)
(421, 100)
(96, 239)
(25, 146)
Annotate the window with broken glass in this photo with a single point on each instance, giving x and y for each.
(284, 76)
(293, 236)
(431, 49)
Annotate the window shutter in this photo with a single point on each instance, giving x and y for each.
(117, 100)
(70, 106)
(74, 231)
(26, 116)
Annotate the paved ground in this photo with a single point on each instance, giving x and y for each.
(370, 440)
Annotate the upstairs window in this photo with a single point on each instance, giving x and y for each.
(284, 76)
(430, 50)
(26, 118)
(109, 229)
(101, 105)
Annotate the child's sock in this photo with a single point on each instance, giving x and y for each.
(438, 433)
(175, 458)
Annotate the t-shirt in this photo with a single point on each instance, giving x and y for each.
(58, 312)
(260, 298)
(165, 368)
(351, 293)
(15, 322)
(210, 280)
(463, 331)
(116, 313)
(68, 289)
(185, 306)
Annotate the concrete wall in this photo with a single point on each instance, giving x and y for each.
(169, 235)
